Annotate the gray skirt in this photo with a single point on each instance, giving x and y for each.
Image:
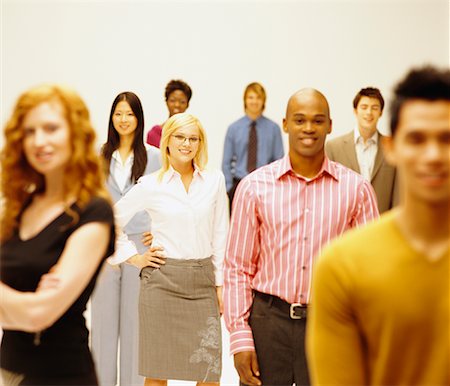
(179, 322)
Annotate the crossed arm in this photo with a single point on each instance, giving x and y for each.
(35, 311)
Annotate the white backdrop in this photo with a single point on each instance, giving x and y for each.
(104, 47)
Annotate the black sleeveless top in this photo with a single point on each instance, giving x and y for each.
(60, 351)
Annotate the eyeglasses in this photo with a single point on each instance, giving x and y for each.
(181, 139)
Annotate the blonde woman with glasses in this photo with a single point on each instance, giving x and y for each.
(181, 274)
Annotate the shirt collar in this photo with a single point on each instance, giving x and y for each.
(285, 167)
(171, 173)
(359, 139)
(116, 156)
(249, 120)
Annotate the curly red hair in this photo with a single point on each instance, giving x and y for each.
(83, 178)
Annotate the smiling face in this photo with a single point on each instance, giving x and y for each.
(183, 145)
(253, 103)
(367, 114)
(177, 102)
(307, 123)
(420, 150)
(46, 140)
(124, 119)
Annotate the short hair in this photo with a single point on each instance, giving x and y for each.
(258, 89)
(178, 84)
(370, 92)
(427, 83)
(308, 91)
(174, 123)
(83, 177)
(113, 141)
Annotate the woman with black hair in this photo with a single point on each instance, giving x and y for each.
(115, 299)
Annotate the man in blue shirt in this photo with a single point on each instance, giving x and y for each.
(252, 141)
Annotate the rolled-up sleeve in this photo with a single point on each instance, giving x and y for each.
(133, 202)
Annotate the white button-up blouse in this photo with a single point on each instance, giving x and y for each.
(188, 225)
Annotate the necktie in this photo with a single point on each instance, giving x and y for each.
(252, 147)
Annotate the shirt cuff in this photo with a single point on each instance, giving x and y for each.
(241, 340)
(123, 253)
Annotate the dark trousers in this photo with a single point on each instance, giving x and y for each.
(279, 342)
(233, 190)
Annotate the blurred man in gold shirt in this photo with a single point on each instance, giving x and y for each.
(380, 303)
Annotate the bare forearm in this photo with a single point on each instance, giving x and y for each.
(5, 321)
(35, 311)
(18, 311)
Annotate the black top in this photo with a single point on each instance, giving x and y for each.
(63, 349)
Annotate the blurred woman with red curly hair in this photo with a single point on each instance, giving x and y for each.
(56, 230)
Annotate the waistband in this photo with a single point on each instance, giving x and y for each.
(188, 262)
(294, 310)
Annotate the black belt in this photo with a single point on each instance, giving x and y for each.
(294, 310)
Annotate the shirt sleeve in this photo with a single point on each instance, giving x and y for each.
(278, 149)
(227, 158)
(98, 210)
(130, 204)
(333, 344)
(367, 207)
(242, 253)
(154, 136)
(220, 230)
(153, 159)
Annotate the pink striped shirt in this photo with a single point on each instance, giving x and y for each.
(280, 223)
